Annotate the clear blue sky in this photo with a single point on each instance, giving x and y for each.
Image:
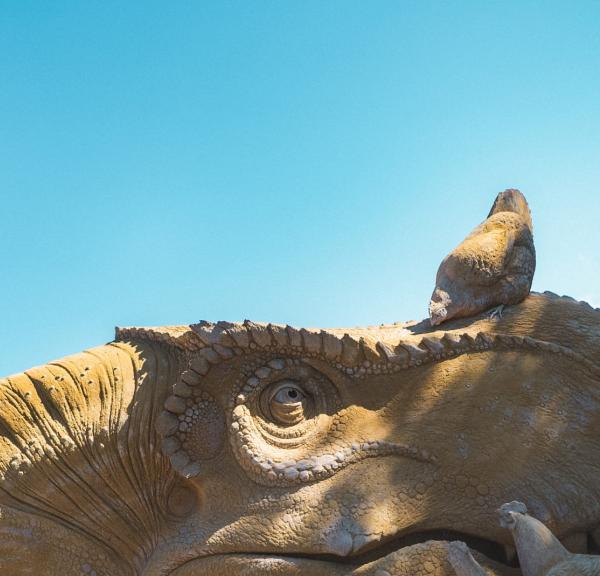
(300, 162)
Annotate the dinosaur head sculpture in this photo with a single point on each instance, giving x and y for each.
(262, 449)
(219, 449)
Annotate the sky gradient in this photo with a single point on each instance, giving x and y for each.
(307, 163)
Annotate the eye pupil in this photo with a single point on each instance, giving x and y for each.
(288, 403)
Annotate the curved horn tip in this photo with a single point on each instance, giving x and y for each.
(512, 200)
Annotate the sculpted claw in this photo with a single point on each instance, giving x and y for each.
(496, 312)
(507, 513)
(540, 552)
(538, 549)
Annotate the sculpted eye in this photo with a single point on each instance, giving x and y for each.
(288, 393)
(280, 408)
(288, 403)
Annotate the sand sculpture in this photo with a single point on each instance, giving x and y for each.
(259, 449)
